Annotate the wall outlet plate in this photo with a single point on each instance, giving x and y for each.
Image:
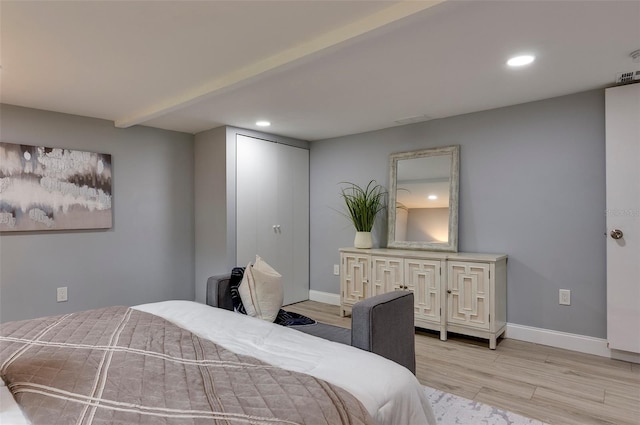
(565, 297)
(61, 294)
(336, 269)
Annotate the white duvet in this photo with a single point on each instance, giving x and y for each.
(391, 394)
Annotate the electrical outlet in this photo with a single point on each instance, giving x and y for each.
(61, 294)
(565, 297)
(336, 269)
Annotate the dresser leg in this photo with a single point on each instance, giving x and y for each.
(492, 343)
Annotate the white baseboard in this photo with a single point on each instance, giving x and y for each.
(324, 297)
(574, 342)
(567, 341)
(625, 356)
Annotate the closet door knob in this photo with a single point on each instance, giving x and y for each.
(617, 234)
(448, 291)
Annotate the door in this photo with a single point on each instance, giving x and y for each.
(622, 106)
(272, 211)
(355, 278)
(256, 201)
(423, 278)
(469, 294)
(387, 275)
(292, 236)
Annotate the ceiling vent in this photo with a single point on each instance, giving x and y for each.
(411, 120)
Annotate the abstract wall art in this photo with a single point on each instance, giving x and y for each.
(45, 188)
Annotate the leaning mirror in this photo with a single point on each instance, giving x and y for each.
(423, 186)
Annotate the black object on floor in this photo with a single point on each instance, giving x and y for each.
(289, 318)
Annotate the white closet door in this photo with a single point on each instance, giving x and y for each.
(623, 214)
(256, 200)
(293, 213)
(272, 211)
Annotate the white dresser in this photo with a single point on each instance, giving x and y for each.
(465, 293)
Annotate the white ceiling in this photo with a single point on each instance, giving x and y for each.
(315, 69)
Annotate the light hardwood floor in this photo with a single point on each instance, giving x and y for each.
(545, 383)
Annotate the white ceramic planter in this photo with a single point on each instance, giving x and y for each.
(363, 240)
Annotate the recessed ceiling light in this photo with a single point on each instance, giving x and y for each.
(521, 60)
(432, 197)
(263, 123)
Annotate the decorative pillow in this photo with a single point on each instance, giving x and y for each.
(234, 282)
(261, 290)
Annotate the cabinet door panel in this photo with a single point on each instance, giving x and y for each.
(387, 275)
(355, 275)
(256, 200)
(468, 302)
(423, 278)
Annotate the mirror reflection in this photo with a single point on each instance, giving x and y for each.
(424, 189)
(422, 199)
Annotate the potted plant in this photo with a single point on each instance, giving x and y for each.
(363, 205)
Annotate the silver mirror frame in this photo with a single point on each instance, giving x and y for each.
(452, 244)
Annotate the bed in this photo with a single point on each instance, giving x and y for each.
(388, 393)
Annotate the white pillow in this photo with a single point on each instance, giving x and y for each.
(261, 290)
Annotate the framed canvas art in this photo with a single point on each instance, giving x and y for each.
(45, 188)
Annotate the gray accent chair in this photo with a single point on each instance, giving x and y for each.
(382, 324)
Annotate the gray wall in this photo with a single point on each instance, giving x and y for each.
(212, 253)
(532, 185)
(148, 254)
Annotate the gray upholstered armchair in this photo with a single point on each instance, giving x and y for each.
(382, 324)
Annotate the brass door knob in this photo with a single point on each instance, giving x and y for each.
(616, 234)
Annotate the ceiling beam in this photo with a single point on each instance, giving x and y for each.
(279, 60)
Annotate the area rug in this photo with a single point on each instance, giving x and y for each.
(450, 409)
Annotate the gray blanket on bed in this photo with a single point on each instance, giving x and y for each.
(121, 366)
